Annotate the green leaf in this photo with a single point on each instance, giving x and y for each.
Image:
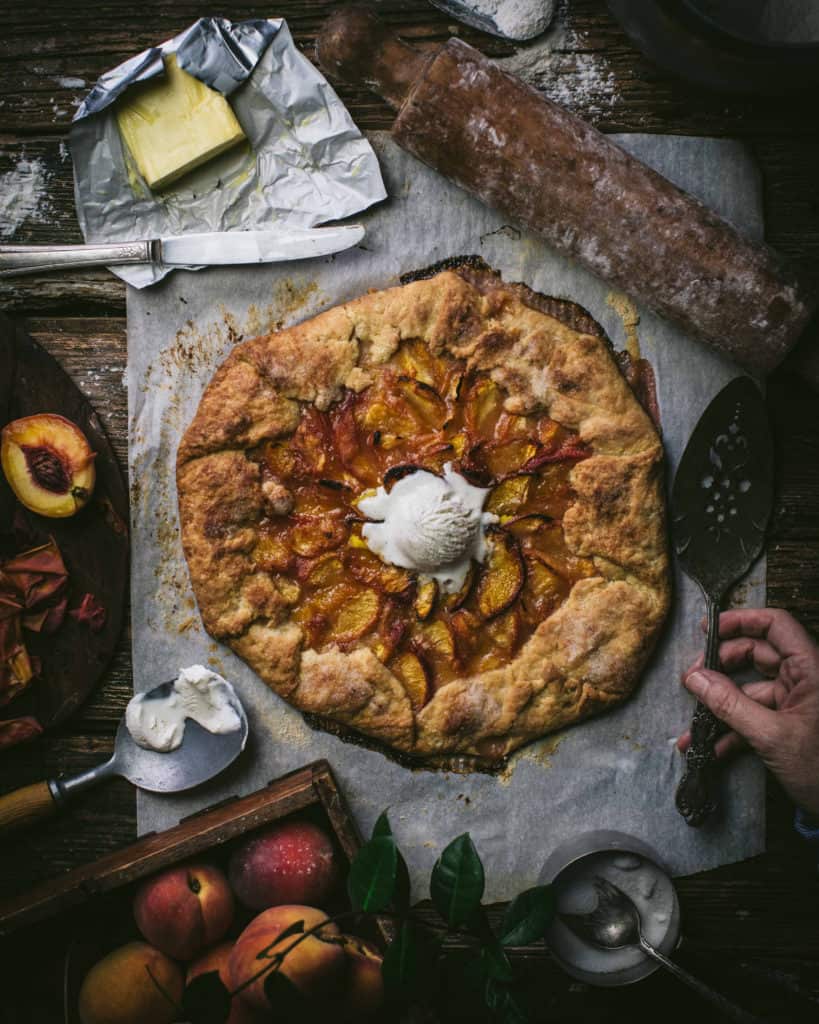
(496, 961)
(457, 882)
(502, 1003)
(382, 826)
(372, 879)
(528, 916)
(206, 1000)
(409, 967)
(289, 1002)
(401, 898)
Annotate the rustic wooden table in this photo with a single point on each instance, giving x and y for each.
(756, 920)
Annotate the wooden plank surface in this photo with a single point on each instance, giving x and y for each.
(762, 911)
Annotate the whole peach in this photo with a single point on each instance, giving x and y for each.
(216, 959)
(291, 862)
(120, 990)
(364, 988)
(184, 909)
(315, 966)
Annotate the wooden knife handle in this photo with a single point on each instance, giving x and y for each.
(359, 48)
(25, 806)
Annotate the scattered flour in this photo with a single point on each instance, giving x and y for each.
(23, 196)
(515, 19)
(558, 65)
(70, 83)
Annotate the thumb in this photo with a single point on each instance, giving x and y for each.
(756, 723)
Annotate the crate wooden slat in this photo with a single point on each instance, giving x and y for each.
(311, 786)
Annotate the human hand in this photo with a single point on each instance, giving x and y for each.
(778, 716)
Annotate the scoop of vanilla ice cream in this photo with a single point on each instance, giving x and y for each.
(432, 524)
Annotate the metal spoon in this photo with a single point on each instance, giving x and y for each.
(200, 756)
(615, 923)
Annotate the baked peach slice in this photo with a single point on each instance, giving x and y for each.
(423, 402)
(509, 496)
(311, 536)
(452, 602)
(49, 464)
(543, 592)
(416, 677)
(484, 406)
(367, 568)
(425, 597)
(340, 614)
(503, 578)
(503, 459)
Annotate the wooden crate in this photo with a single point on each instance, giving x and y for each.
(91, 905)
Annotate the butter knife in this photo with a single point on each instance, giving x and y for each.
(196, 250)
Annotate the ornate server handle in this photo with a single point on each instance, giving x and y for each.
(34, 259)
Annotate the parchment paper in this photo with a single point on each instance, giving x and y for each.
(618, 771)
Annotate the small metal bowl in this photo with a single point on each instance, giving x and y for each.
(569, 870)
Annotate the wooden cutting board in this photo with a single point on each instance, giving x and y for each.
(94, 542)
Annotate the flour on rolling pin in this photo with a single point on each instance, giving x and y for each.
(543, 166)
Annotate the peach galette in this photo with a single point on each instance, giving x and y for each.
(433, 515)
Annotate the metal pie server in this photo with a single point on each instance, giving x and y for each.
(215, 248)
(200, 756)
(720, 506)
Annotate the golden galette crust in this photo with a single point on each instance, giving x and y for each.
(584, 658)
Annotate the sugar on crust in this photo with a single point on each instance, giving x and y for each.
(547, 356)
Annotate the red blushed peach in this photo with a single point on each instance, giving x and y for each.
(48, 463)
(291, 862)
(364, 986)
(216, 959)
(185, 909)
(316, 965)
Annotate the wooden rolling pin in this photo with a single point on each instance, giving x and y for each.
(554, 174)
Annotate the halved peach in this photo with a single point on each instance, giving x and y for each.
(425, 597)
(416, 677)
(503, 577)
(48, 463)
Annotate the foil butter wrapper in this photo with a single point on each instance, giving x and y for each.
(305, 161)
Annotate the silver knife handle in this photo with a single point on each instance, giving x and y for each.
(34, 259)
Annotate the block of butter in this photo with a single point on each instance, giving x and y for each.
(175, 123)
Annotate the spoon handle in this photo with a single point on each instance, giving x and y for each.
(696, 797)
(731, 1010)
